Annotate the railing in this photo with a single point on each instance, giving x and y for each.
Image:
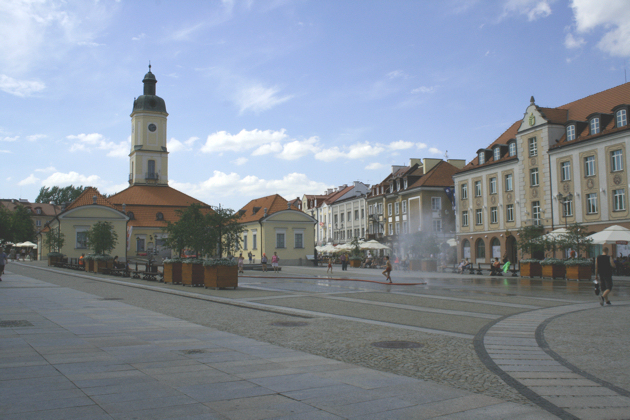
(152, 175)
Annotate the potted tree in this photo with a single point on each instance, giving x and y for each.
(54, 240)
(577, 239)
(355, 254)
(220, 273)
(424, 245)
(529, 242)
(102, 238)
(553, 268)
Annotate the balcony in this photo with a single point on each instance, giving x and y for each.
(154, 176)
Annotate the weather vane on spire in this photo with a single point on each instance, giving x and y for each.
(149, 65)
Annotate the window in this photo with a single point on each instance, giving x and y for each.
(616, 160)
(349, 216)
(299, 239)
(591, 203)
(405, 227)
(619, 200)
(533, 177)
(465, 218)
(594, 126)
(508, 183)
(280, 240)
(464, 191)
(151, 170)
(494, 215)
(477, 188)
(437, 225)
(362, 213)
(405, 183)
(479, 217)
(254, 240)
(38, 210)
(82, 239)
(533, 147)
(493, 185)
(482, 158)
(565, 171)
(398, 185)
(512, 148)
(396, 207)
(622, 118)
(389, 209)
(404, 207)
(244, 240)
(356, 215)
(38, 223)
(589, 166)
(567, 208)
(571, 132)
(380, 208)
(480, 249)
(436, 203)
(397, 228)
(370, 209)
(140, 244)
(497, 153)
(391, 229)
(509, 213)
(536, 212)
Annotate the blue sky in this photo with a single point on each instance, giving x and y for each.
(283, 96)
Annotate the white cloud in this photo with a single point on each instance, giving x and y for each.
(266, 149)
(296, 149)
(400, 145)
(374, 166)
(363, 150)
(95, 141)
(10, 139)
(31, 179)
(174, 145)
(240, 161)
(572, 42)
(139, 37)
(421, 146)
(396, 74)
(61, 179)
(435, 151)
(21, 88)
(48, 169)
(533, 9)
(223, 185)
(36, 137)
(614, 18)
(5, 151)
(244, 140)
(328, 155)
(424, 89)
(258, 98)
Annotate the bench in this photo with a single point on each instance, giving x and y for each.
(316, 261)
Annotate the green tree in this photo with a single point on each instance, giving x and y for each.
(54, 240)
(102, 238)
(5, 225)
(22, 228)
(191, 231)
(529, 241)
(226, 228)
(57, 195)
(576, 238)
(423, 243)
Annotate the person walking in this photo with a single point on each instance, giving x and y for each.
(250, 256)
(274, 262)
(263, 261)
(344, 262)
(604, 265)
(329, 265)
(3, 262)
(388, 269)
(241, 262)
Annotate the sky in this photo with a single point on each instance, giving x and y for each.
(286, 97)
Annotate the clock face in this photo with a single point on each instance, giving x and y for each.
(152, 127)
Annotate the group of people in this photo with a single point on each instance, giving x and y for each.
(275, 262)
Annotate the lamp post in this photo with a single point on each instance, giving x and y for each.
(565, 199)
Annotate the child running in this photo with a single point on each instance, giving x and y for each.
(388, 269)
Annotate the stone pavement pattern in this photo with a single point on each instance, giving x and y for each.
(66, 354)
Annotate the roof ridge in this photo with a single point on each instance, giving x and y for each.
(591, 95)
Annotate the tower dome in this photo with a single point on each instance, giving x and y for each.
(149, 101)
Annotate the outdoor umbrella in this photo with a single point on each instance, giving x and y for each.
(611, 235)
(26, 244)
(452, 242)
(373, 245)
(324, 249)
(555, 234)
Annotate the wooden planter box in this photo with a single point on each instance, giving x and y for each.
(192, 274)
(531, 269)
(173, 273)
(54, 260)
(579, 272)
(428, 265)
(415, 265)
(220, 276)
(100, 266)
(355, 263)
(89, 265)
(554, 271)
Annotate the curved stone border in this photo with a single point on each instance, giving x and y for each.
(514, 348)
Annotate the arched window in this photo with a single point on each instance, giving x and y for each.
(496, 248)
(159, 216)
(466, 249)
(130, 215)
(480, 249)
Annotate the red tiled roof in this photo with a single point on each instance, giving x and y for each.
(441, 175)
(87, 199)
(273, 203)
(47, 209)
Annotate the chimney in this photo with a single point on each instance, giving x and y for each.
(329, 191)
(93, 199)
(124, 208)
(265, 211)
(288, 205)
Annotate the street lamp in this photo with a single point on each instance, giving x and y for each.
(565, 199)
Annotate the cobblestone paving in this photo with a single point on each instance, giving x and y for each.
(591, 340)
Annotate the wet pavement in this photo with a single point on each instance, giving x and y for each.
(512, 342)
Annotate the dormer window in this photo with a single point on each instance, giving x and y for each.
(159, 216)
(622, 118)
(512, 148)
(571, 132)
(398, 185)
(497, 153)
(482, 158)
(405, 183)
(38, 210)
(594, 126)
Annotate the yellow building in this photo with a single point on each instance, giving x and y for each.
(271, 225)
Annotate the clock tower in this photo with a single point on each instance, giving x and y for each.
(148, 159)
